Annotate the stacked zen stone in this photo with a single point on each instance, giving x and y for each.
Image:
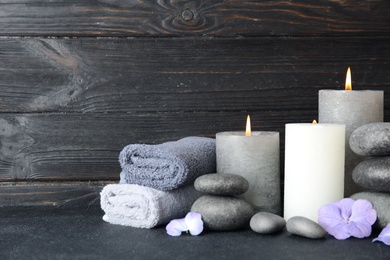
(373, 174)
(220, 209)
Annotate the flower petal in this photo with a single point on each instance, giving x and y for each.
(359, 229)
(176, 226)
(385, 240)
(329, 216)
(194, 223)
(362, 211)
(347, 218)
(346, 206)
(384, 236)
(340, 231)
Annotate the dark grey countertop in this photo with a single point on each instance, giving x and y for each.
(80, 233)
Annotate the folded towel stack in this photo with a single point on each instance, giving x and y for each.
(156, 182)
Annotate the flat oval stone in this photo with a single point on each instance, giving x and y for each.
(305, 227)
(223, 213)
(373, 174)
(381, 203)
(371, 139)
(221, 184)
(267, 223)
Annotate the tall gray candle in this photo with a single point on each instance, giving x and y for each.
(256, 158)
(352, 108)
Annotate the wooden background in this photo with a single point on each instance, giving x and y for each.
(79, 80)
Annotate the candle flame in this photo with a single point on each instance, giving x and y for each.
(248, 131)
(348, 81)
(314, 121)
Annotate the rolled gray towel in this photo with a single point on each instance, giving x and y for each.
(143, 207)
(169, 165)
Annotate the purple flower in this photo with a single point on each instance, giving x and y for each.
(192, 223)
(347, 218)
(384, 236)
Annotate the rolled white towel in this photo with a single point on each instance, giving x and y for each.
(144, 207)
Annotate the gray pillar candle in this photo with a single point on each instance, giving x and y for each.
(352, 108)
(256, 158)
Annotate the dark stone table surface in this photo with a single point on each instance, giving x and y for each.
(80, 233)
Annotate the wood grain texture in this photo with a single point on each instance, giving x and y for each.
(194, 17)
(88, 75)
(50, 194)
(85, 147)
(70, 105)
(79, 80)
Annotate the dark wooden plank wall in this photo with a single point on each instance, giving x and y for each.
(81, 79)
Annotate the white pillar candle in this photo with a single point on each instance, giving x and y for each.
(352, 108)
(314, 168)
(256, 158)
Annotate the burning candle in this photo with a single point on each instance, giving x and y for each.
(314, 168)
(352, 108)
(255, 156)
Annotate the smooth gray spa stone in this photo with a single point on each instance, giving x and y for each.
(223, 213)
(371, 139)
(267, 223)
(305, 227)
(381, 203)
(221, 184)
(373, 174)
